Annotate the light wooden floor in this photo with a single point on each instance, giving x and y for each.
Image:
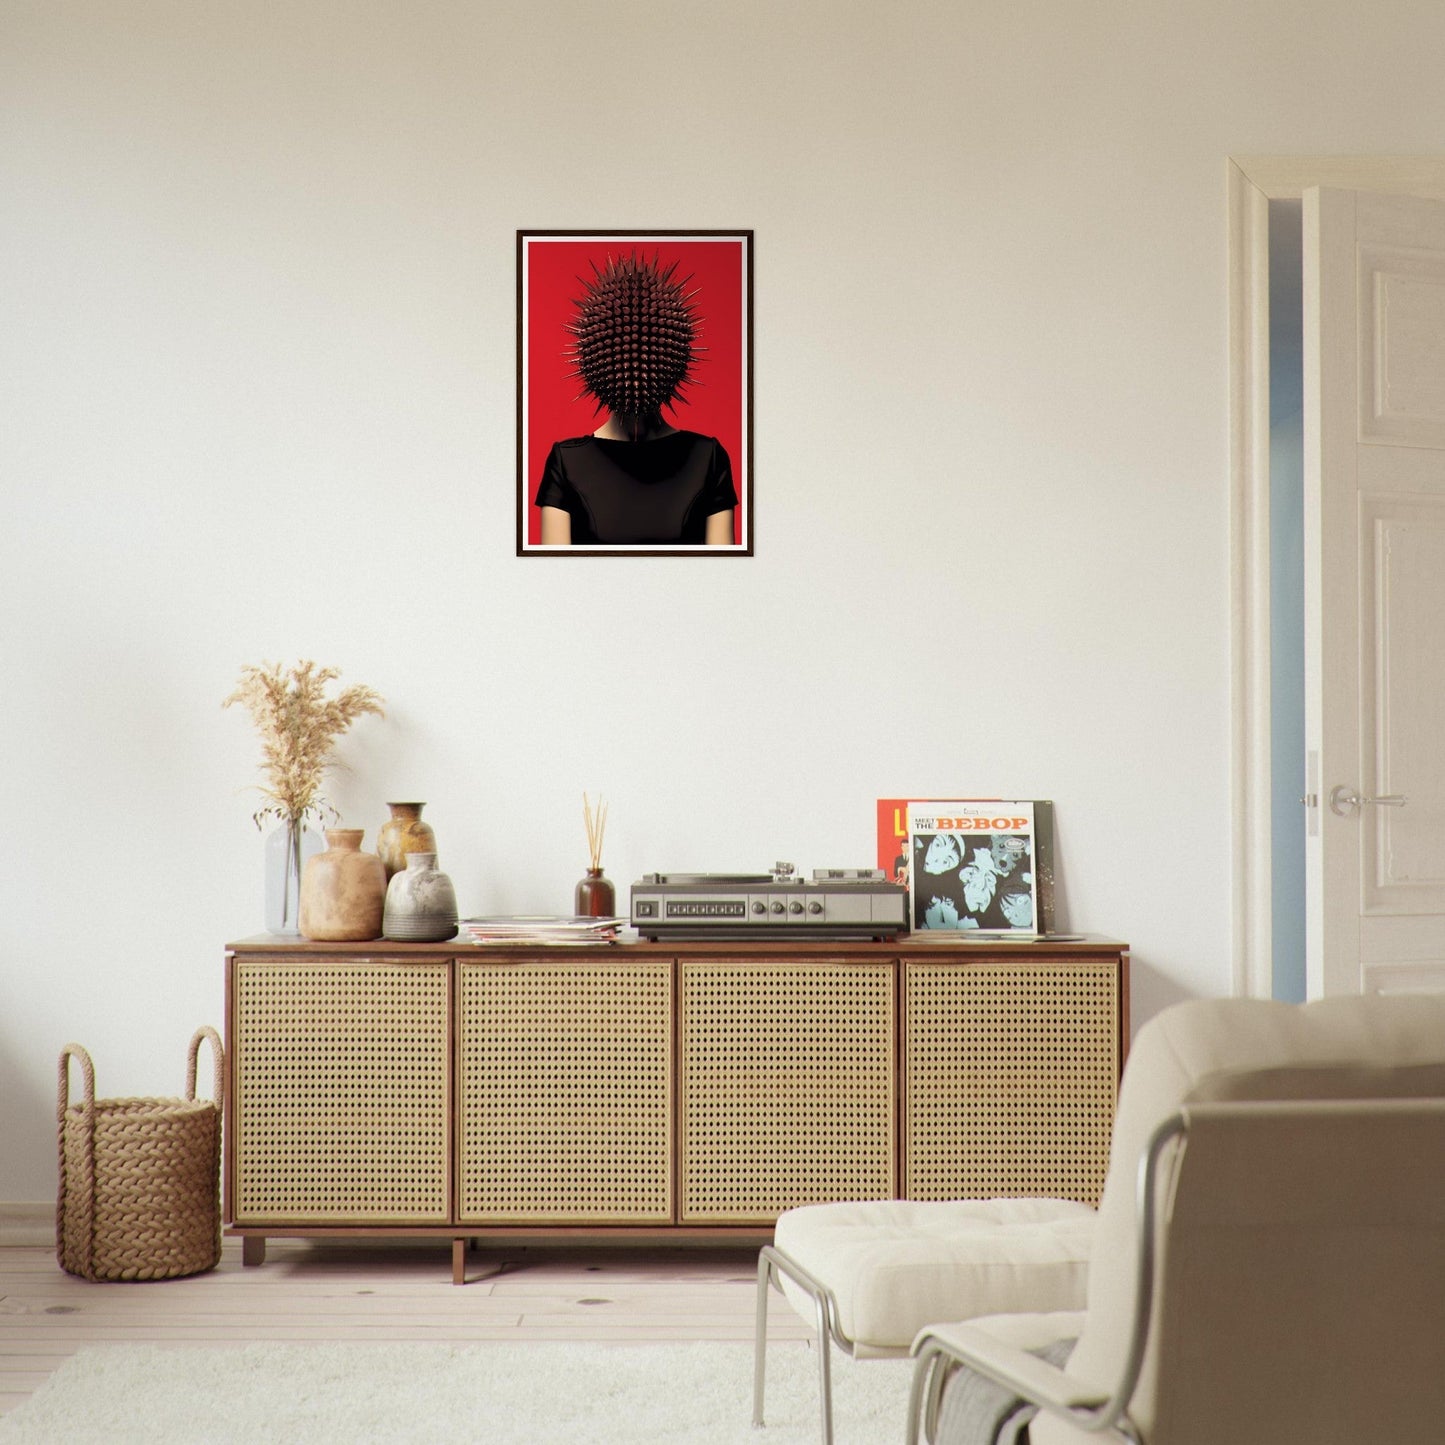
(381, 1292)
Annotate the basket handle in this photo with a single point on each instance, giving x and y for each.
(87, 1070)
(218, 1090)
(75, 1238)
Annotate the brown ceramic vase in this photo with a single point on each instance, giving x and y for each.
(594, 896)
(343, 891)
(403, 833)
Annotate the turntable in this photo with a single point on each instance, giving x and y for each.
(836, 903)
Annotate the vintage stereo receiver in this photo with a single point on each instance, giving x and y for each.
(834, 903)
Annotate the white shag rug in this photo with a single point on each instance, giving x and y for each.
(478, 1394)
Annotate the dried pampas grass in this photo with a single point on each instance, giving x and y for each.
(298, 725)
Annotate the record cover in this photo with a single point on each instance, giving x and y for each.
(893, 839)
(978, 864)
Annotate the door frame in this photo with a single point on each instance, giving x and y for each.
(1253, 182)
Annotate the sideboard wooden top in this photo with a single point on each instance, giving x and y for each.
(957, 946)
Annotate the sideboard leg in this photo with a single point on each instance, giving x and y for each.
(253, 1249)
(459, 1261)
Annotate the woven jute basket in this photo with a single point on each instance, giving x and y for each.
(139, 1178)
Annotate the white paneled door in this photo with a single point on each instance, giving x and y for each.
(1375, 590)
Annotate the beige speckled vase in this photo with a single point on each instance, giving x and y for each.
(343, 890)
(403, 833)
(421, 904)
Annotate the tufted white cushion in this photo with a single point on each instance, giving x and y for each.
(896, 1265)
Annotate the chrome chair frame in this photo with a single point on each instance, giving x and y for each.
(1088, 1406)
(1107, 1416)
(771, 1264)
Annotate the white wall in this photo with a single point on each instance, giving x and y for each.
(258, 402)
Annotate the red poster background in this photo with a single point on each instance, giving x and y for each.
(550, 409)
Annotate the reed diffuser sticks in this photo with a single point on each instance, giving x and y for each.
(596, 821)
(595, 896)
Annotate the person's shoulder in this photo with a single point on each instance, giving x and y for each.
(711, 448)
(573, 442)
(697, 439)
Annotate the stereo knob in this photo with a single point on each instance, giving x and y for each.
(795, 907)
(777, 907)
(759, 906)
(815, 907)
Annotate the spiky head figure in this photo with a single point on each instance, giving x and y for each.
(634, 336)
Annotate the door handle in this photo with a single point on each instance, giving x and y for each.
(1344, 800)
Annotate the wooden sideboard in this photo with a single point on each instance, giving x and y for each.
(651, 1091)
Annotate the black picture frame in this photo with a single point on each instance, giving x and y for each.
(708, 271)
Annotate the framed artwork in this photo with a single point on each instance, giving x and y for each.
(634, 393)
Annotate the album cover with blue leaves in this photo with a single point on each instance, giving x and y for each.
(977, 865)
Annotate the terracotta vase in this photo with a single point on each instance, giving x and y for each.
(421, 904)
(595, 897)
(343, 890)
(403, 833)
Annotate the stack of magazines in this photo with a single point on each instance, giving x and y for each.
(540, 928)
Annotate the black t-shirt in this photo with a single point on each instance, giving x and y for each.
(647, 492)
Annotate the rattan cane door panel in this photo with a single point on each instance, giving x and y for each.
(565, 1092)
(342, 1091)
(1010, 1078)
(787, 1086)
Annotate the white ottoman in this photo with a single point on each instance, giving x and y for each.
(871, 1274)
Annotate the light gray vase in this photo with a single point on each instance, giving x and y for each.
(421, 904)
